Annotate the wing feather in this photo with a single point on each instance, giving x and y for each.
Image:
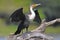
(17, 15)
(37, 17)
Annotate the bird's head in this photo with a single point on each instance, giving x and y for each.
(35, 5)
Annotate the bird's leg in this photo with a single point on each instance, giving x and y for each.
(18, 30)
(26, 29)
(22, 31)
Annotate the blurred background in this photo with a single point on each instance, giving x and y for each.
(49, 10)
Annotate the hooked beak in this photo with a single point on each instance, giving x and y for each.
(35, 5)
(38, 4)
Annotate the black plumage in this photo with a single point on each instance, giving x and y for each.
(18, 16)
(37, 17)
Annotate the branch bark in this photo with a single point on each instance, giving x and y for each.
(36, 33)
(44, 24)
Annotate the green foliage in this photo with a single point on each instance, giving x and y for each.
(11, 5)
(52, 29)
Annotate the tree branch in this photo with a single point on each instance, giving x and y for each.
(36, 33)
(44, 24)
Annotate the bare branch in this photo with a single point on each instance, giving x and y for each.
(36, 33)
(44, 24)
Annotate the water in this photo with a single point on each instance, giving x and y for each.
(2, 38)
(56, 37)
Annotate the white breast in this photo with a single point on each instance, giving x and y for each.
(32, 15)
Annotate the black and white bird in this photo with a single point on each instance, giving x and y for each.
(25, 19)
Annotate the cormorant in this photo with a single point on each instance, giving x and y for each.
(25, 19)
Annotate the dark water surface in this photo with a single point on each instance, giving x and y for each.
(55, 36)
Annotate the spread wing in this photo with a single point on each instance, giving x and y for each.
(37, 17)
(17, 15)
